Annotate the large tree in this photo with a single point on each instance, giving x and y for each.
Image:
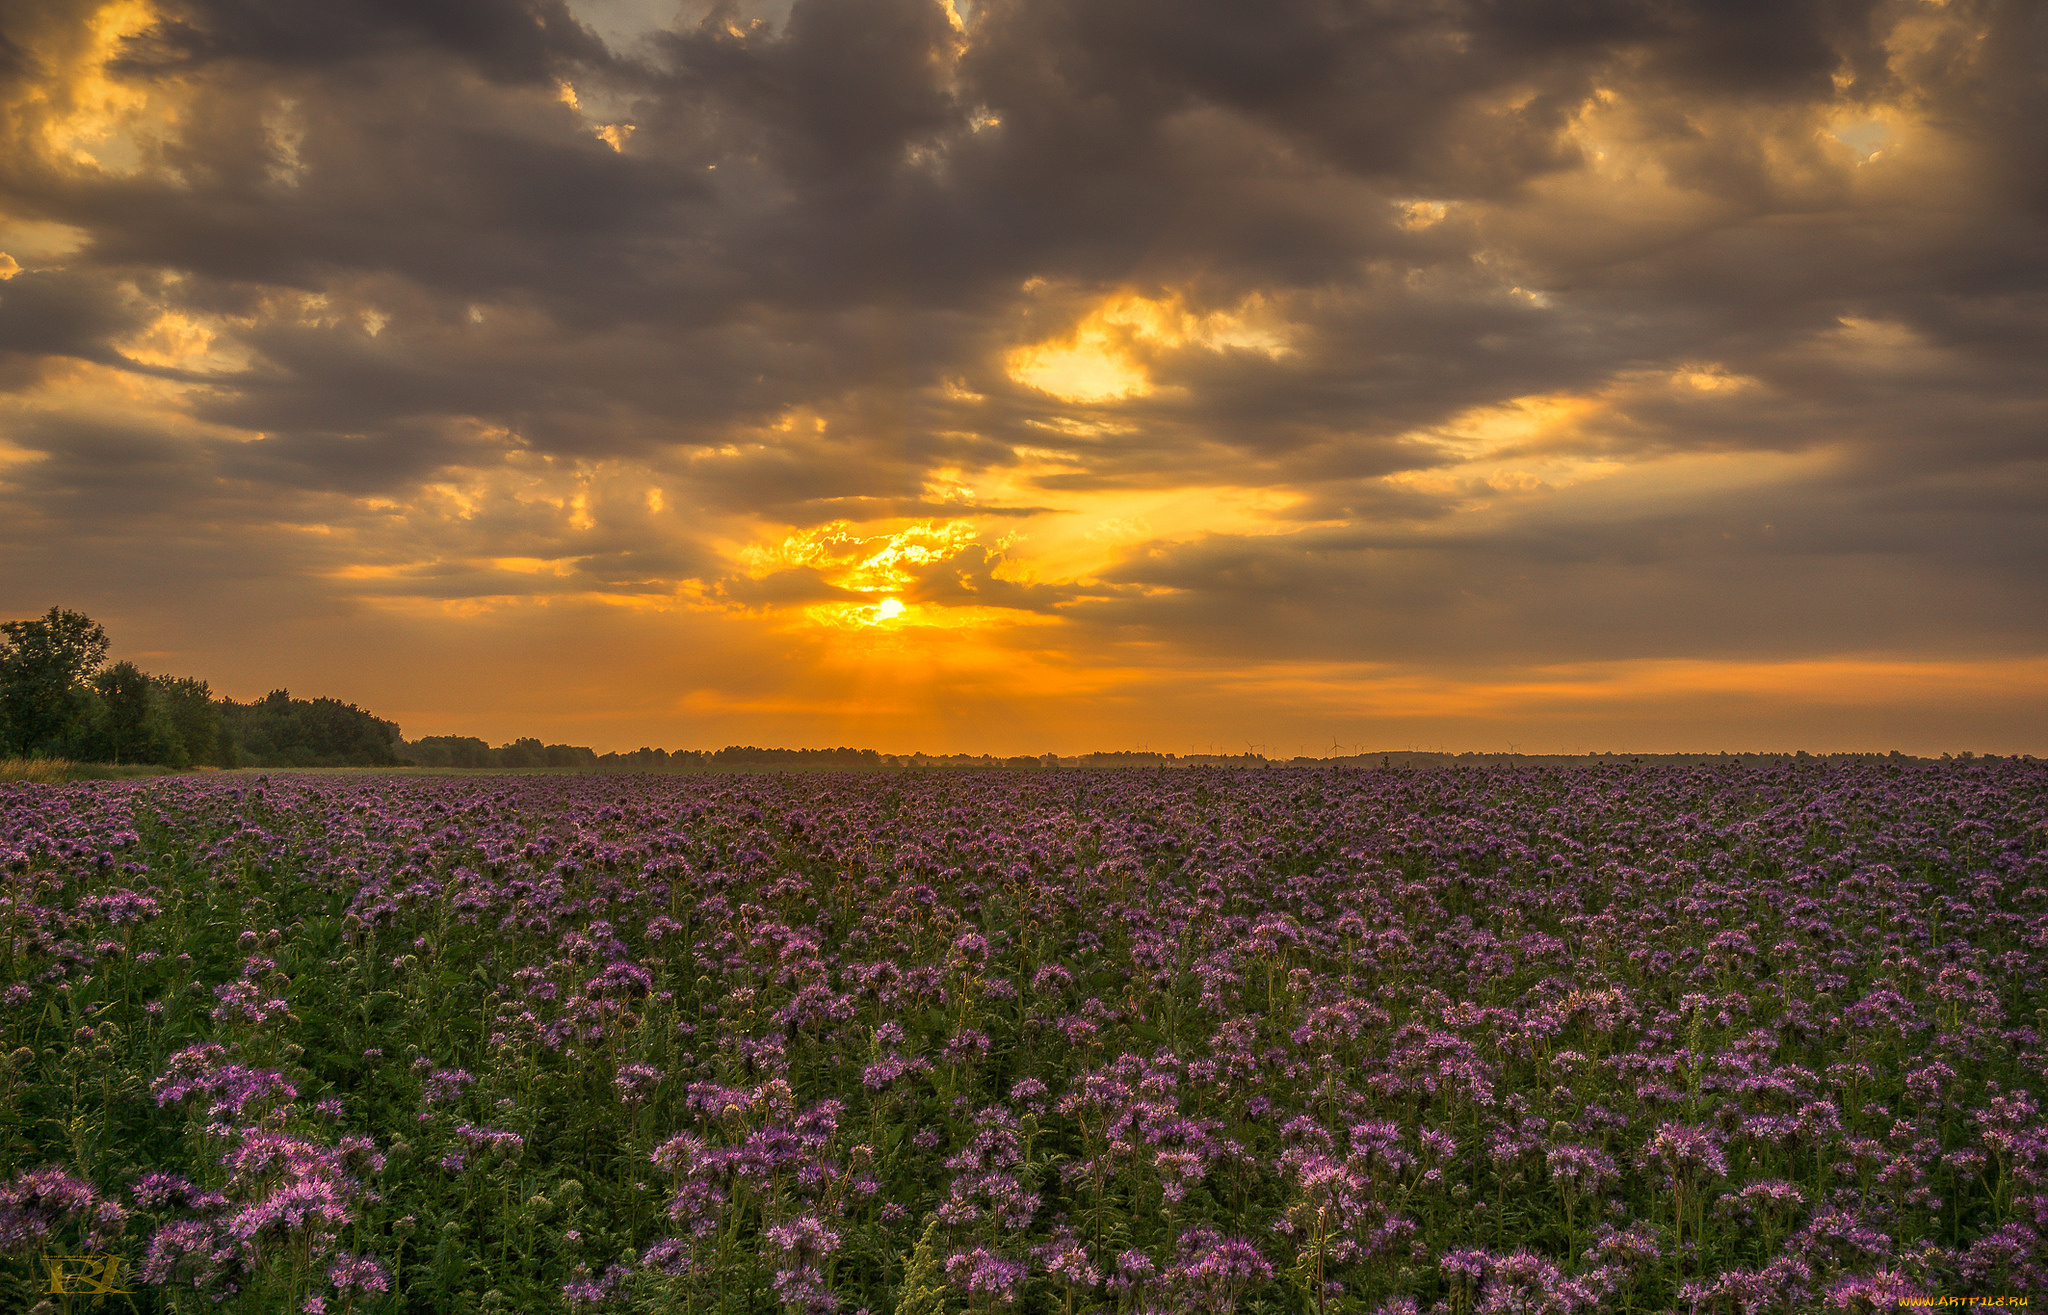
(45, 667)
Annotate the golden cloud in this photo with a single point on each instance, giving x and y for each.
(1106, 356)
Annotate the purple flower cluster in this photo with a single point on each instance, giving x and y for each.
(281, 1193)
(38, 1205)
(234, 1093)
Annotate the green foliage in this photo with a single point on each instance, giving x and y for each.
(192, 719)
(529, 752)
(281, 731)
(523, 753)
(45, 667)
(450, 751)
(131, 722)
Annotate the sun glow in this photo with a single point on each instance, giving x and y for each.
(867, 563)
(1107, 357)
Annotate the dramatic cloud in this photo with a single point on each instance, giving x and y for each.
(1044, 373)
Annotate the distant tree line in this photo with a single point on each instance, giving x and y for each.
(467, 751)
(61, 698)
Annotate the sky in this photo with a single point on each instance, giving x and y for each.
(1023, 376)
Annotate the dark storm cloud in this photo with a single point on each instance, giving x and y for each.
(1406, 91)
(391, 456)
(461, 188)
(80, 470)
(58, 313)
(789, 292)
(839, 91)
(519, 40)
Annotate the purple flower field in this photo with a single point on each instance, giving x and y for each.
(1716, 1039)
